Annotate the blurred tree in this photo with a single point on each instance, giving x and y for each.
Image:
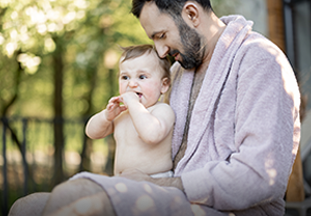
(70, 39)
(224, 7)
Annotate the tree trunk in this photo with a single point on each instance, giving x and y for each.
(109, 139)
(276, 23)
(58, 113)
(85, 164)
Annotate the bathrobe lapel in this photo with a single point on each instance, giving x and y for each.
(213, 83)
(179, 100)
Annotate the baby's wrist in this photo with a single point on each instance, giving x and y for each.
(131, 107)
(105, 116)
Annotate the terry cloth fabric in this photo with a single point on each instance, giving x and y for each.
(244, 130)
(243, 134)
(131, 198)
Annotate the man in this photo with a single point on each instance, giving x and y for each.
(237, 127)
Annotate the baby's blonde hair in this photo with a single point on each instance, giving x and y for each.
(131, 52)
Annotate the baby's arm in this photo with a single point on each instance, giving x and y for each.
(153, 126)
(101, 124)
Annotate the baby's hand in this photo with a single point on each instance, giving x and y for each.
(114, 108)
(129, 97)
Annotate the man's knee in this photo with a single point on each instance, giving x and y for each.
(32, 204)
(79, 196)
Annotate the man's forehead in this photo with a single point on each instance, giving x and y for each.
(149, 12)
(150, 6)
(153, 20)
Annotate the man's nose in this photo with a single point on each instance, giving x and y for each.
(161, 49)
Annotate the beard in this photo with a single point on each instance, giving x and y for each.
(191, 42)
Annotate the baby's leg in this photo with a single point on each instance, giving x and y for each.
(32, 204)
(78, 197)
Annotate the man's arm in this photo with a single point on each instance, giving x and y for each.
(168, 182)
(266, 135)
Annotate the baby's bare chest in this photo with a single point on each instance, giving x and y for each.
(124, 129)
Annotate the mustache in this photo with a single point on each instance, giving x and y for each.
(173, 52)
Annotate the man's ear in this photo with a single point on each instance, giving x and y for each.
(165, 85)
(190, 14)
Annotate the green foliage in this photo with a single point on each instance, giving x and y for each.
(88, 31)
(225, 7)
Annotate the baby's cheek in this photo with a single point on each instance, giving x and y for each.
(153, 91)
(150, 90)
(122, 88)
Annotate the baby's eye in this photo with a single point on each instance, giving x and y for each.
(142, 76)
(124, 77)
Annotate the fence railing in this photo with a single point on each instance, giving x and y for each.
(27, 159)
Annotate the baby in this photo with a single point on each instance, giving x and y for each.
(143, 126)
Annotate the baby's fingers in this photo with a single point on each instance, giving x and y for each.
(122, 108)
(110, 106)
(115, 100)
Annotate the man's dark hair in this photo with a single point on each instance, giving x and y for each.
(172, 7)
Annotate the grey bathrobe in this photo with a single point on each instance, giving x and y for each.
(243, 136)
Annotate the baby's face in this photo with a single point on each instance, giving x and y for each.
(143, 76)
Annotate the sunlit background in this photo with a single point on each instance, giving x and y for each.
(58, 66)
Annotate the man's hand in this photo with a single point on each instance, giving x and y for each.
(114, 108)
(137, 175)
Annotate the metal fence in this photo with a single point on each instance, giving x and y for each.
(27, 151)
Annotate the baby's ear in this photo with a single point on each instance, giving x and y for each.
(165, 85)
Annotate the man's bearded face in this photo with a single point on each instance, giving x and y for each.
(191, 41)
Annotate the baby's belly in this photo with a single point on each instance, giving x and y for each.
(147, 162)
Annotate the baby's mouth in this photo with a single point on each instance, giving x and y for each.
(139, 94)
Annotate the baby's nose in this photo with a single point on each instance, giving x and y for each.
(132, 83)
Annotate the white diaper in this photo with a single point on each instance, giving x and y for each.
(167, 174)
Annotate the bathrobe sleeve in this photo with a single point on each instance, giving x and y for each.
(266, 134)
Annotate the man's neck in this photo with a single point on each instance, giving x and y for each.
(203, 67)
